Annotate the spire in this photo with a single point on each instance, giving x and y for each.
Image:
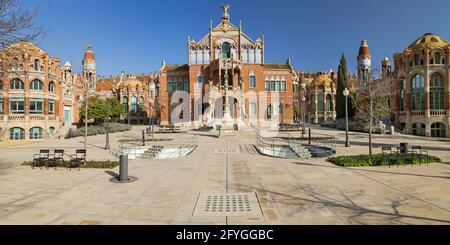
(240, 25)
(210, 25)
(225, 15)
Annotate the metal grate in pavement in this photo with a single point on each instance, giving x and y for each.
(224, 150)
(227, 204)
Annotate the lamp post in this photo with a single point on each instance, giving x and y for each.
(346, 94)
(152, 88)
(281, 108)
(303, 88)
(304, 113)
(108, 97)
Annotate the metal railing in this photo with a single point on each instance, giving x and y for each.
(318, 143)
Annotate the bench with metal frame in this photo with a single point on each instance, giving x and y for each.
(77, 158)
(55, 158)
(39, 160)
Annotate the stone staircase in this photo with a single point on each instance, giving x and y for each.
(301, 151)
(153, 152)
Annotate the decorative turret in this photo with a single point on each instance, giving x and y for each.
(90, 66)
(364, 61)
(385, 67)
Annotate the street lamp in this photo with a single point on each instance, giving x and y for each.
(346, 94)
(281, 108)
(304, 113)
(152, 88)
(108, 97)
(303, 88)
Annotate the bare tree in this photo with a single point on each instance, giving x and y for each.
(17, 23)
(371, 103)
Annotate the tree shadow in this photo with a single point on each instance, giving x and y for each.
(373, 171)
(357, 212)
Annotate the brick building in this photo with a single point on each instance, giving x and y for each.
(31, 98)
(226, 53)
(420, 99)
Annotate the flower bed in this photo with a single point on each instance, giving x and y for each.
(379, 160)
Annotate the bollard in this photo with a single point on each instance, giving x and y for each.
(309, 136)
(143, 137)
(123, 169)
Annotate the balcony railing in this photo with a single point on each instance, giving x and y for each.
(418, 113)
(16, 117)
(51, 117)
(438, 112)
(402, 113)
(37, 117)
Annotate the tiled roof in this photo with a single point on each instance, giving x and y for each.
(104, 87)
(184, 67)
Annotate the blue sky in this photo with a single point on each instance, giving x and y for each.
(135, 35)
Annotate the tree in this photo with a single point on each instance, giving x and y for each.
(342, 83)
(379, 95)
(295, 111)
(17, 23)
(96, 110)
(115, 108)
(372, 102)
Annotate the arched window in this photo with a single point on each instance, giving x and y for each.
(141, 103)
(312, 103)
(418, 93)
(283, 84)
(269, 111)
(226, 50)
(416, 60)
(37, 64)
(252, 80)
(36, 85)
(16, 84)
(438, 130)
(320, 102)
(16, 134)
(253, 109)
(437, 58)
(125, 103)
(15, 64)
(437, 92)
(133, 104)
(401, 91)
(328, 102)
(35, 133)
(418, 129)
(51, 87)
(200, 81)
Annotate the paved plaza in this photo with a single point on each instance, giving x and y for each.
(288, 191)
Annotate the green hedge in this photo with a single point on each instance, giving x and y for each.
(94, 130)
(89, 164)
(378, 160)
(353, 125)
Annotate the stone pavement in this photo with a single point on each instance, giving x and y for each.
(289, 191)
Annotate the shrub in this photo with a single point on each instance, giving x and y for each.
(94, 130)
(89, 164)
(378, 160)
(353, 125)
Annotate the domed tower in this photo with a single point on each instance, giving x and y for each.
(90, 66)
(364, 62)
